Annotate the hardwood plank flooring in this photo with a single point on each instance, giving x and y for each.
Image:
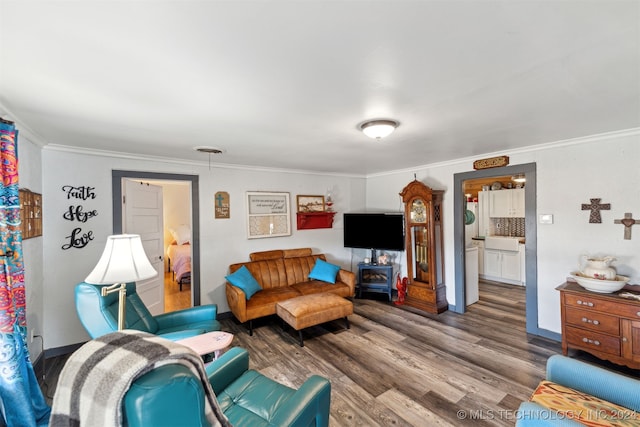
(174, 298)
(397, 366)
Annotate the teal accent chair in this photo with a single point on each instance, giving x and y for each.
(586, 378)
(99, 315)
(171, 395)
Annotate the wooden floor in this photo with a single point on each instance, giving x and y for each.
(174, 298)
(400, 367)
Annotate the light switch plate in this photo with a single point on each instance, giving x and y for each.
(545, 219)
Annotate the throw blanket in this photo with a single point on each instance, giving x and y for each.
(96, 377)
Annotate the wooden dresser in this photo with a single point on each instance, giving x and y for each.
(605, 325)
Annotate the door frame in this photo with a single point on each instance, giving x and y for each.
(116, 187)
(531, 242)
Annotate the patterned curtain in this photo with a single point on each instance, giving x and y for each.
(21, 400)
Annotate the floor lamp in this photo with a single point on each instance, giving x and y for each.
(123, 260)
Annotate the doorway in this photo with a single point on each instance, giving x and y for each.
(117, 177)
(529, 170)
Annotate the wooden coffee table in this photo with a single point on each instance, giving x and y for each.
(211, 342)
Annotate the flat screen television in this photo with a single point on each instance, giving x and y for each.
(374, 231)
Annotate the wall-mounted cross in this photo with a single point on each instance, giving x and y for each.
(219, 198)
(628, 222)
(595, 206)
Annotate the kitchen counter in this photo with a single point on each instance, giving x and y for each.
(520, 239)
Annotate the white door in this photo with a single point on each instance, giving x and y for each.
(142, 210)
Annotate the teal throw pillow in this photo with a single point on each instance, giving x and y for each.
(243, 279)
(324, 271)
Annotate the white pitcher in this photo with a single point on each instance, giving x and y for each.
(599, 268)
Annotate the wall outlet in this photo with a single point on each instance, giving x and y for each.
(32, 333)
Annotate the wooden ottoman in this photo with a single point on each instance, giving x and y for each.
(310, 310)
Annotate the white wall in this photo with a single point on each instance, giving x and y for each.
(568, 175)
(30, 176)
(223, 241)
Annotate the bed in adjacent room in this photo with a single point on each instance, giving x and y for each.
(179, 255)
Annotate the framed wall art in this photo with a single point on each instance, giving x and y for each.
(268, 214)
(310, 203)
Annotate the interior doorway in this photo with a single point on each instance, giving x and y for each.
(529, 170)
(117, 178)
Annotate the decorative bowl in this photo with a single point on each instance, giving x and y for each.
(599, 285)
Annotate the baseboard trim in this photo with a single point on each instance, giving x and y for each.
(59, 351)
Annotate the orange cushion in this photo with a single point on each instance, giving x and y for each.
(582, 407)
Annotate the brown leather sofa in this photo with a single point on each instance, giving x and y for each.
(282, 274)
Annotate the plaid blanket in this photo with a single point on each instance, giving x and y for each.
(96, 377)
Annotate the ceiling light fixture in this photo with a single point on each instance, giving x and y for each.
(209, 150)
(519, 178)
(378, 129)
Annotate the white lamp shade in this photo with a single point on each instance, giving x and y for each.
(122, 261)
(378, 129)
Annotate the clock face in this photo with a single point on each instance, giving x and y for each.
(418, 211)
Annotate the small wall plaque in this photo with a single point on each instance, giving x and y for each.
(221, 205)
(491, 162)
(30, 213)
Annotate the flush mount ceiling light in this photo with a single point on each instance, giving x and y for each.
(378, 129)
(519, 178)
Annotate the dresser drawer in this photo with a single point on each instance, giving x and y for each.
(588, 302)
(593, 320)
(592, 340)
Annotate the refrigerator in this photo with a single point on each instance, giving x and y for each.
(471, 230)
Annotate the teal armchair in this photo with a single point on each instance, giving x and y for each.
(99, 315)
(171, 395)
(586, 378)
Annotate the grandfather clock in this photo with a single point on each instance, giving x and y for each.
(425, 257)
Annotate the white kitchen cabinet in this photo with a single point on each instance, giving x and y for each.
(502, 266)
(480, 245)
(506, 203)
(471, 275)
(523, 269)
(483, 213)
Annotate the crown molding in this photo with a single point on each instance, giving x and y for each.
(205, 164)
(538, 147)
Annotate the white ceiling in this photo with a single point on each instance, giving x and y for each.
(284, 84)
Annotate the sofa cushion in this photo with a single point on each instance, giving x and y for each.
(243, 279)
(582, 407)
(324, 271)
(298, 268)
(317, 286)
(269, 274)
(294, 253)
(266, 255)
(264, 303)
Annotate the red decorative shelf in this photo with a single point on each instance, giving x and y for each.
(309, 220)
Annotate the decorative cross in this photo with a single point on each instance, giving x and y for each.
(595, 206)
(219, 199)
(628, 222)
